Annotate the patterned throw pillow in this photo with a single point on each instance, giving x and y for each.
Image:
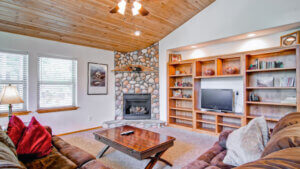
(287, 137)
(247, 143)
(8, 159)
(35, 142)
(4, 138)
(15, 129)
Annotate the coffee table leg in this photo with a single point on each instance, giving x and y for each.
(156, 158)
(101, 153)
(166, 162)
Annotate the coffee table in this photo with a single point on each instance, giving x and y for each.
(143, 144)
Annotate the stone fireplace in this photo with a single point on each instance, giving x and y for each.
(137, 84)
(136, 106)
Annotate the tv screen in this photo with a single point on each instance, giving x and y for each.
(217, 99)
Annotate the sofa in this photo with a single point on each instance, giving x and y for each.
(62, 156)
(282, 150)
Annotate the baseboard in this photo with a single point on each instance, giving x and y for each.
(78, 131)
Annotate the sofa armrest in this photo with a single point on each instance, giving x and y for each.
(48, 128)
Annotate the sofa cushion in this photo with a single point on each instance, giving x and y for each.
(285, 138)
(211, 153)
(218, 161)
(35, 142)
(54, 160)
(284, 159)
(15, 129)
(94, 164)
(247, 143)
(8, 158)
(223, 137)
(75, 154)
(197, 164)
(213, 167)
(58, 142)
(287, 120)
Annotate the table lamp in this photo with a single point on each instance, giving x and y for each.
(10, 95)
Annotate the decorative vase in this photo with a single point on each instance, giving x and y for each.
(231, 70)
(209, 72)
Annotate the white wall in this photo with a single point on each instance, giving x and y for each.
(94, 109)
(222, 19)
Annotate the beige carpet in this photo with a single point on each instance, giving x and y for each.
(188, 146)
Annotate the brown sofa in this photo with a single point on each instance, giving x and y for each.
(62, 156)
(282, 150)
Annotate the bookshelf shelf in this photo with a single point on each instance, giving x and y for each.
(267, 118)
(182, 117)
(181, 75)
(233, 125)
(181, 87)
(177, 98)
(271, 88)
(237, 115)
(272, 104)
(218, 76)
(181, 108)
(206, 121)
(270, 70)
(183, 125)
(181, 63)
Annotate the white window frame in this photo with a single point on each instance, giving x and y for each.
(24, 82)
(74, 82)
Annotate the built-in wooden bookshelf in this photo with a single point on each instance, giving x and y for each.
(186, 112)
(180, 80)
(271, 102)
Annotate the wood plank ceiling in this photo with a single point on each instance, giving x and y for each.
(89, 23)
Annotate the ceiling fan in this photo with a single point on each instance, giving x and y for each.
(136, 9)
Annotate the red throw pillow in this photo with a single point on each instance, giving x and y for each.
(15, 129)
(35, 142)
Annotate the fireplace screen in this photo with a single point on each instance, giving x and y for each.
(137, 106)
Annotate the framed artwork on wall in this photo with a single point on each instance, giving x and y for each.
(97, 79)
(174, 57)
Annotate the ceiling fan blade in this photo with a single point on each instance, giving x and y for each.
(114, 10)
(143, 11)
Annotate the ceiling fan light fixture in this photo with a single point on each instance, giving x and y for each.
(136, 8)
(122, 7)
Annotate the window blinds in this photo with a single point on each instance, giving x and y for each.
(57, 82)
(14, 71)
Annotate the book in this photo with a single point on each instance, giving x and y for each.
(287, 81)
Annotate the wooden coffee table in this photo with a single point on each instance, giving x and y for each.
(143, 144)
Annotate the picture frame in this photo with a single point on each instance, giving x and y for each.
(174, 57)
(97, 82)
(290, 39)
(265, 82)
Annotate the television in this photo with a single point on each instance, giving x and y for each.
(217, 99)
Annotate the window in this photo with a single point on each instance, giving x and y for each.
(14, 71)
(57, 83)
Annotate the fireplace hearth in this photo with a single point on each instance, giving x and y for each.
(137, 106)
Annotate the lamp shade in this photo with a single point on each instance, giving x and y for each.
(10, 95)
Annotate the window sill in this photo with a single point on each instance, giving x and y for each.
(56, 109)
(17, 113)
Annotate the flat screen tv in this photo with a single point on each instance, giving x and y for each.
(217, 99)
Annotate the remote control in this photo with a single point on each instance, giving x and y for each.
(127, 133)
